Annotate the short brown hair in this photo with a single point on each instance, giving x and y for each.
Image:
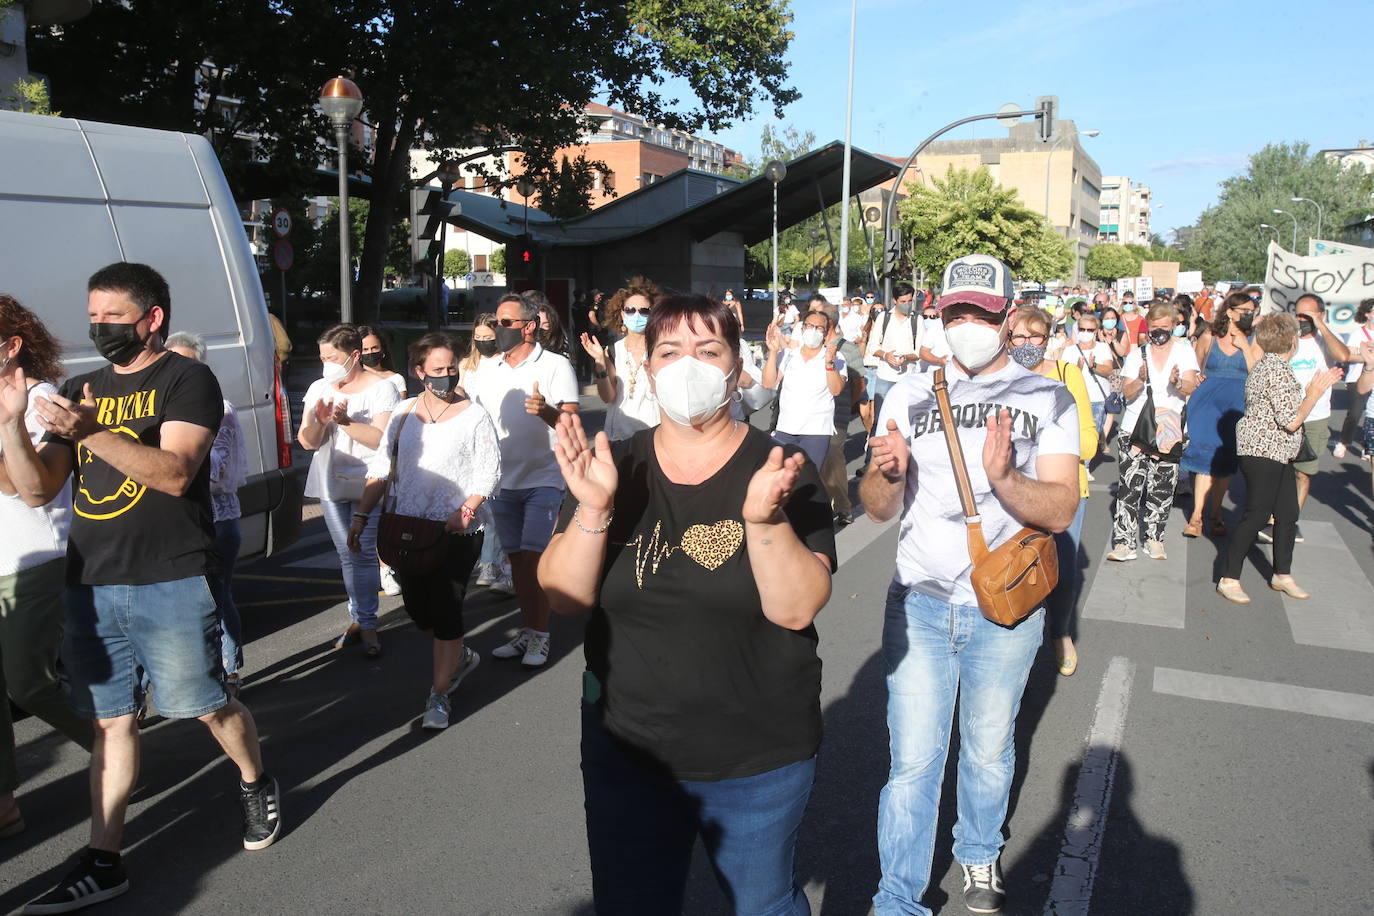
(1036, 319)
(434, 340)
(40, 356)
(343, 337)
(1276, 332)
(697, 310)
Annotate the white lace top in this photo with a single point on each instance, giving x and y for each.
(635, 406)
(228, 466)
(439, 465)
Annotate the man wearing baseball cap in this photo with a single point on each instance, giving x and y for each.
(1019, 432)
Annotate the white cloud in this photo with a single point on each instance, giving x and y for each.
(1192, 163)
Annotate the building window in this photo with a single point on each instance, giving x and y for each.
(649, 178)
(479, 262)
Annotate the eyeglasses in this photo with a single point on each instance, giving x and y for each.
(1035, 340)
(642, 310)
(930, 315)
(513, 322)
(1255, 298)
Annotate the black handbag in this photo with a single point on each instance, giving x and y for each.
(1145, 434)
(1305, 452)
(405, 543)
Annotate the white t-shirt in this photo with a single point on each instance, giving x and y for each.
(1310, 358)
(755, 397)
(34, 534)
(635, 406)
(851, 325)
(933, 339)
(1098, 387)
(932, 550)
(1167, 397)
(398, 381)
(805, 405)
(526, 440)
(340, 454)
(902, 336)
(439, 465)
(1363, 333)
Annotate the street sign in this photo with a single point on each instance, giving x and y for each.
(283, 255)
(1007, 119)
(281, 222)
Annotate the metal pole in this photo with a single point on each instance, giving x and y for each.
(891, 208)
(842, 279)
(440, 313)
(345, 255)
(1049, 164)
(775, 252)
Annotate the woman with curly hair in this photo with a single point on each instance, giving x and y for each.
(622, 380)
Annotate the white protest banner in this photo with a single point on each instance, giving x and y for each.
(1342, 280)
(1222, 289)
(1317, 247)
(1144, 289)
(1190, 281)
(1125, 285)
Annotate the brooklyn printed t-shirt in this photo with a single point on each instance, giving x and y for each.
(123, 532)
(692, 673)
(932, 548)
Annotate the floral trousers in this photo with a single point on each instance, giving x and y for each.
(1144, 495)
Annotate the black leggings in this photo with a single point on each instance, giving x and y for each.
(1354, 414)
(434, 600)
(1271, 488)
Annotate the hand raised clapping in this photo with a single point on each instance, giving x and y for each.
(590, 473)
(771, 487)
(891, 452)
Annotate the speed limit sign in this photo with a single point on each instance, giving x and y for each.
(281, 222)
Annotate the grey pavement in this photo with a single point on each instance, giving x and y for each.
(1206, 758)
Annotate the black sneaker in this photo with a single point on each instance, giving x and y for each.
(261, 814)
(842, 519)
(85, 885)
(1266, 535)
(983, 888)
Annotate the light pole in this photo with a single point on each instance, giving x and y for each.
(1309, 200)
(1049, 161)
(341, 101)
(525, 188)
(1295, 227)
(1275, 228)
(842, 278)
(448, 174)
(776, 172)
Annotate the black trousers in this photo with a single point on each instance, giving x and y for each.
(1271, 488)
(434, 600)
(1354, 414)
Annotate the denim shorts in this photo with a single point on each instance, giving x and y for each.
(525, 518)
(168, 630)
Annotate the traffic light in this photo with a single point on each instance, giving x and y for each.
(1049, 107)
(892, 250)
(522, 255)
(428, 209)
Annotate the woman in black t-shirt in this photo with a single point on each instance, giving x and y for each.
(704, 553)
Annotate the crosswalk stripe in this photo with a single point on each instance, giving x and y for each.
(1242, 691)
(1145, 591)
(1324, 565)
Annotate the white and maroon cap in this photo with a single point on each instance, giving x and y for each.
(977, 279)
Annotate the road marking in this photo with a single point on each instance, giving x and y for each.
(856, 537)
(1241, 691)
(1345, 617)
(1152, 592)
(1071, 891)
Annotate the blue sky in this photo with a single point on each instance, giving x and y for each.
(1181, 90)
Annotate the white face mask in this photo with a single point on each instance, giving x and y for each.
(974, 344)
(811, 338)
(1086, 336)
(337, 372)
(689, 391)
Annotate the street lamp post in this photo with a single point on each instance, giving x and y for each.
(776, 172)
(842, 277)
(1309, 200)
(341, 101)
(1049, 161)
(1275, 228)
(448, 175)
(1295, 227)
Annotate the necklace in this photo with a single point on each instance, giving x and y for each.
(678, 468)
(634, 369)
(432, 417)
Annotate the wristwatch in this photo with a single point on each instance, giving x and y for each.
(600, 373)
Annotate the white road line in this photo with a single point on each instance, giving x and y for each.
(1071, 890)
(1152, 592)
(1333, 704)
(1345, 618)
(856, 537)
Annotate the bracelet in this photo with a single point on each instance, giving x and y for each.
(361, 516)
(830, 367)
(467, 511)
(585, 530)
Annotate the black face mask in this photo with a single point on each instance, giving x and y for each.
(118, 343)
(372, 360)
(1159, 337)
(441, 385)
(485, 347)
(508, 339)
(1245, 323)
(1306, 326)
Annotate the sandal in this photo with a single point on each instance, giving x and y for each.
(350, 636)
(373, 648)
(1192, 530)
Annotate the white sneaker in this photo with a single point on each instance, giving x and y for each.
(437, 708)
(1155, 550)
(515, 648)
(1338, 451)
(1121, 553)
(470, 660)
(486, 573)
(389, 584)
(536, 651)
(504, 585)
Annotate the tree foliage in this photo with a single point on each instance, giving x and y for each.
(1228, 243)
(497, 262)
(1108, 261)
(456, 263)
(968, 212)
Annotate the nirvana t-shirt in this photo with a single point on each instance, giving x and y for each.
(692, 673)
(123, 532)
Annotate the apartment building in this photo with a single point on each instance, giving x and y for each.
(1126, 210)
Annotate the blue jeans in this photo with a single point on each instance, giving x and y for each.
(168, 631)
(1062, 604)
(361, 574)
(936, 652)
(641, 825)
(814, 447)
(491, 547)
(525, 517)
(228, 539)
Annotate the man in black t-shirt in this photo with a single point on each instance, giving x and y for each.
(136, 437)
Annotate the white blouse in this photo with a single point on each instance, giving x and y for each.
(341, 454)
(635, 406)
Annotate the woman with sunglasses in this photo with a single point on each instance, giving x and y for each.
(621, 379)
(807, 378)
(1227, 352)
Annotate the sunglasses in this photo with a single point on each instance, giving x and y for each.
(513, 322)
(642, 310)
(930, 315)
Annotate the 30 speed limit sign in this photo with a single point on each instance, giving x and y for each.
(281, 222)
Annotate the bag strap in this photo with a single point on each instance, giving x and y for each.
(393, 477)
(973, 522)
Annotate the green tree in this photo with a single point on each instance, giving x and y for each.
(30, 94)
(1228, 244)
(497, 263)
(1107, 261)
(967, 212)
(456, 263)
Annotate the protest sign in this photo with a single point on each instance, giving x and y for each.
(1317, 247)
(1190, 281)
(1164, 274)
(1222, 289)
(1342, 280)
(1125, 285)
(1144, 289)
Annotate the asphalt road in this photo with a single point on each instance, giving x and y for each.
(1206, 758)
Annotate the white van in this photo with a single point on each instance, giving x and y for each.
(78, 195)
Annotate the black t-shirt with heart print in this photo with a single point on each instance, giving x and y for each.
(692, 675)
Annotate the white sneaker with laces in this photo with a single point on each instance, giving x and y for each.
(486, 573)
(536, 651)
(1155, 550)
(470, 660)
(437, 708)
(389, 584)
(515, 648)
(503, 585)
(1121, 553)
(983, 892)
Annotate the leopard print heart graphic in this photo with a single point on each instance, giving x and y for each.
(712, 545)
